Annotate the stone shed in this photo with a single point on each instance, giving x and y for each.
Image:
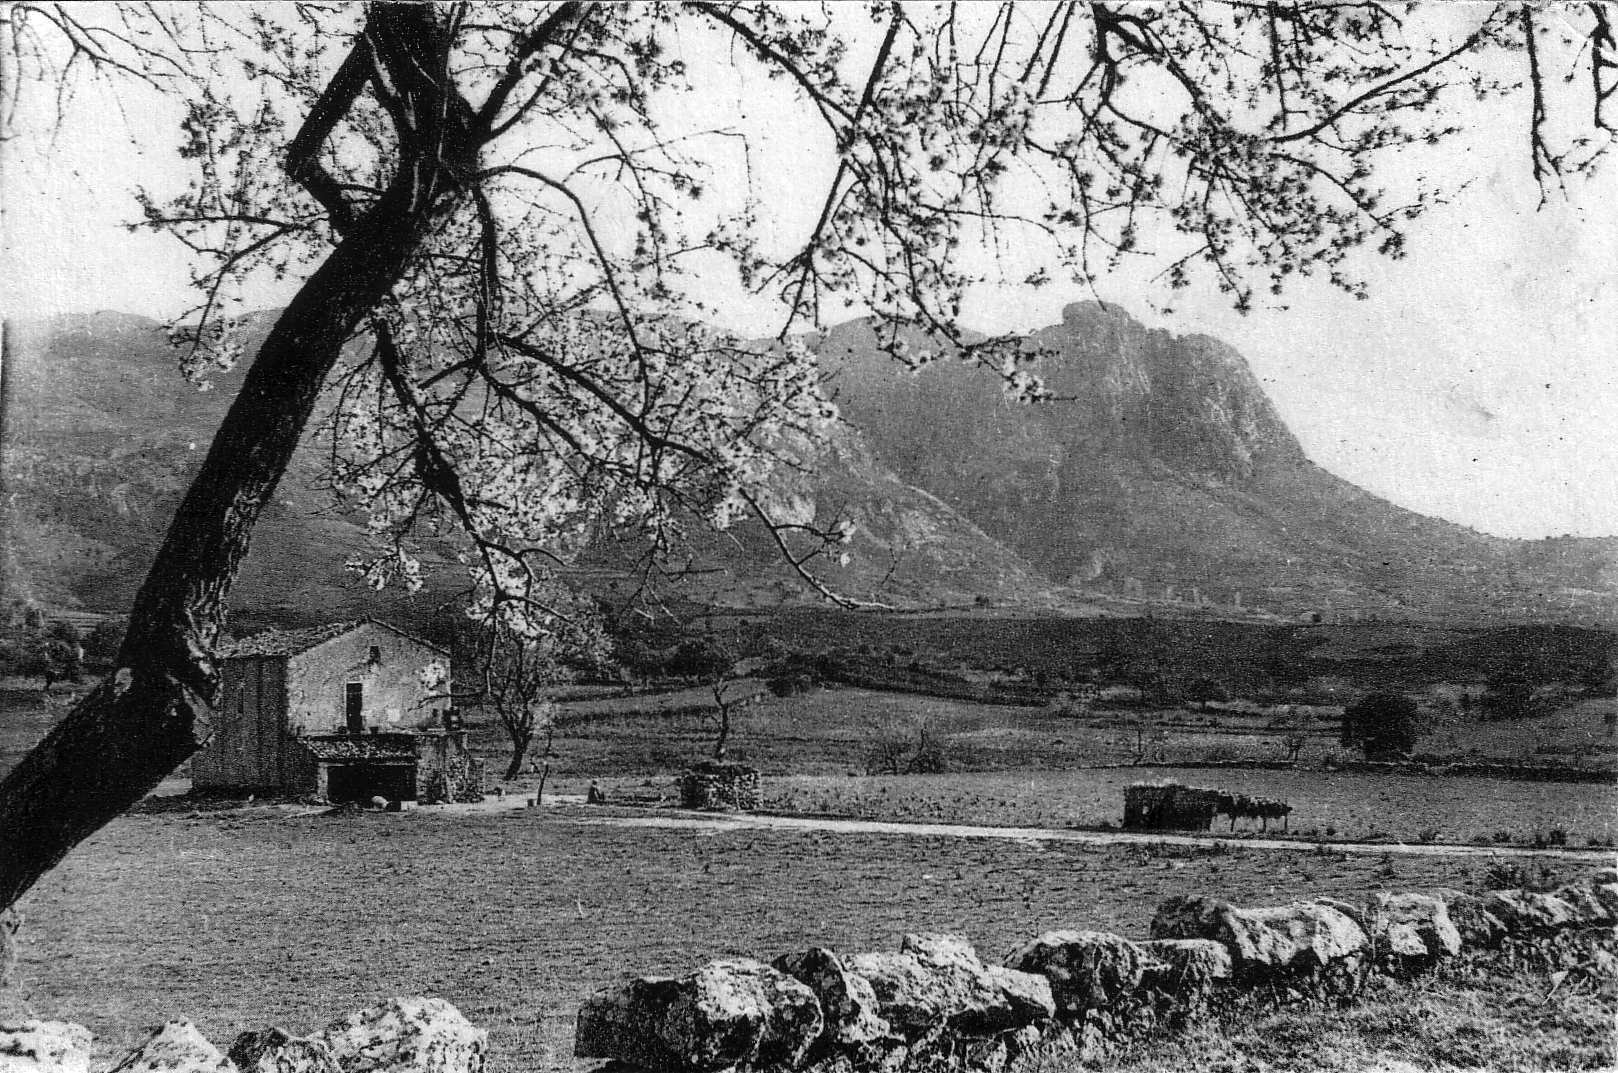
(343, 711)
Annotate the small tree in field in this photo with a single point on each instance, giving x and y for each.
(1381, 724)
(713, 662)
(1146, 737)
(518, 671)
(1294, 728)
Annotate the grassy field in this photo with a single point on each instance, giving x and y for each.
(833, 731)
(1018, 766)
(243, 918)
(1360, 808)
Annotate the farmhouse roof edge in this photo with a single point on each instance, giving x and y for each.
(278, 642)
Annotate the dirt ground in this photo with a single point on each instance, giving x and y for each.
(259, 916)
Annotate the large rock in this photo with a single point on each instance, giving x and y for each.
(1415, 927)
(937, 983)
(1592, 903)
(1296, 939)
(1185, 970)
(1478, 928)
(726, 1013)
(44, 1047)
(1086, 969)
(176, 1047)
(1355, 911)
(406, 1035)
(1027, 995)
(1529, 911)
(848, 1005)
(274, 1050)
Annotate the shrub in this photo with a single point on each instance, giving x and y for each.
(1510, 695)
(1381, 724)
(914, 746)
(1505, 875)
(930, 758)
(1204, 691)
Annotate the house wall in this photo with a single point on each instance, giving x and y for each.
(394, 698)
(246, 751)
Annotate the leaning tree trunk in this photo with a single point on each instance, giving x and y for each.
(155, 709)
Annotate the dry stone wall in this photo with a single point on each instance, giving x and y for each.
(402, 1035)
(934, 1004)
(720, 786)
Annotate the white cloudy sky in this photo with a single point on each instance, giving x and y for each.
(1479, 383)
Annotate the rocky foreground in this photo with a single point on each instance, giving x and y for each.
(1063, 996)
(1075, 995)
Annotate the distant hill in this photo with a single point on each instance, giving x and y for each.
(106, 437)
(1165, 477)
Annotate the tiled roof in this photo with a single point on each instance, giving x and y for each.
(284, 642)
(289, 642)
(372, 747)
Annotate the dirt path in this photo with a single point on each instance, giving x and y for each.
(712, 823)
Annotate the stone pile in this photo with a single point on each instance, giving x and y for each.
(1063, 995)
(1169, 806)
(402, 1035)
(716, 786)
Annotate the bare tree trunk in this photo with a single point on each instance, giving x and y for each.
(155, 709)
(722, 741)
(545, 772)
(520, 740)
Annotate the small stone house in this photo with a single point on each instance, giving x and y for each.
(344, 712)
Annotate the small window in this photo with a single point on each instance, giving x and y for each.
(376, 655)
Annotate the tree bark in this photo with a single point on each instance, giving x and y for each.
(721, 744)
(520, 741)
(155, 708)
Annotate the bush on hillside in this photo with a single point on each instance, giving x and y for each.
(1381, 725)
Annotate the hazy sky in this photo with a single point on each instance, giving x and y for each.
(1479, 383)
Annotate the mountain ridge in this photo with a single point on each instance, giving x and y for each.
(1163, 479)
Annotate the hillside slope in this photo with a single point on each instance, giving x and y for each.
(107, 437)
(1162, 477)
(1161, 470)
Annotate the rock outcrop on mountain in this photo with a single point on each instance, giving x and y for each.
(1159, 475)
(1162, 471)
